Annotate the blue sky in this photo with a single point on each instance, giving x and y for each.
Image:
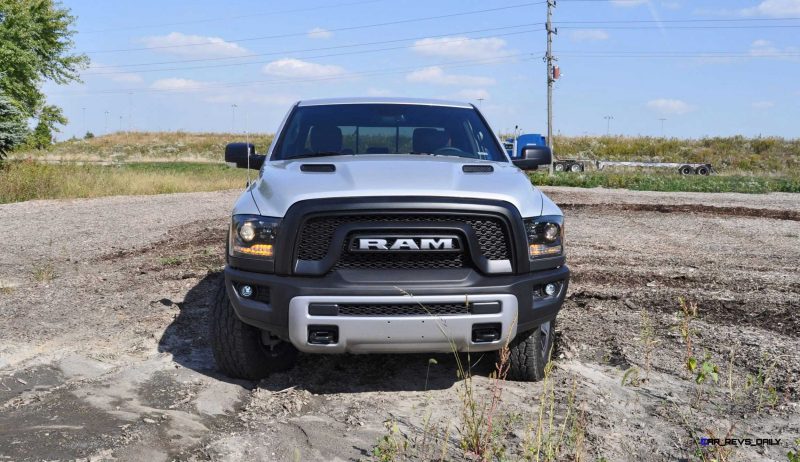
(708, 67)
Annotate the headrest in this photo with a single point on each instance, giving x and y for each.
(428, 139)
(326, 138)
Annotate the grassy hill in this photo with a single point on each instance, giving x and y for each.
(737, 153)
(162, 162)
(124, 147)
(728, 155)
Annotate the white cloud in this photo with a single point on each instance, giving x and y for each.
(763, 105)
(627, 3)
(179, 85)
(588, 35)
(296, 68)
(461, 47)
(437, 75)
(113, 73)
(765, 49)
(473, 94)
(319, 33)
(194, 46)
(378, 92)
(670, 106)
(774, 8)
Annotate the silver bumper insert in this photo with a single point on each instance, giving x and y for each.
(401, 334)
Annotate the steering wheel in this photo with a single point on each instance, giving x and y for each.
(450, 151)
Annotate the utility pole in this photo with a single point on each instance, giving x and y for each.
(233, 118)
(106, 126)
(550, 76)
(662, 126)
(130, 111)
(480, 102)
(608, 118)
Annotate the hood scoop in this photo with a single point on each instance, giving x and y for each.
(318, 168)
(477, 169)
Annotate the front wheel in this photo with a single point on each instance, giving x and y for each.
(530, 352)
(240, 350)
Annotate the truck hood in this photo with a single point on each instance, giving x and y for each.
(282, 183)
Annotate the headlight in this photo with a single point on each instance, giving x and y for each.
(253, 236)
(545, 236)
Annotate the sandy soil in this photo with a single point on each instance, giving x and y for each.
(103, 353)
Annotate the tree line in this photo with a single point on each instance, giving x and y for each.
(36, 45)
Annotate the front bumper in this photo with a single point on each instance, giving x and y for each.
(401, 334)
(287, 315)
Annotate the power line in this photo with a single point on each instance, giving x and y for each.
(656, 55)
(396, 70)
(340, 29)
(304, 50)
(771, 26)
(208, 66)
(229, 18)
(656, 21)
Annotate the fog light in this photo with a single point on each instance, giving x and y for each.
(246, 291)
(550, 289)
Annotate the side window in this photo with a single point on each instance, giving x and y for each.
(377, 140)
(349, 139)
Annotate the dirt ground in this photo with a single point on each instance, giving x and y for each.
(103, 351)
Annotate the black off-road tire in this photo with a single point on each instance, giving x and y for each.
(238, 348)
(530, 352)
(686, 170)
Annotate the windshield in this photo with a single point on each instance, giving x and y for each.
(364, 129)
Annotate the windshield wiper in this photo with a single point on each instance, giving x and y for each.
(318, 154)
(416, 153)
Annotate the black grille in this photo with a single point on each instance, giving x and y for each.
(405, 309)
(317, 234)
(352, 260)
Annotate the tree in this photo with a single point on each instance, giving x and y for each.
(13, 129)
(49, 118)
(35, 46)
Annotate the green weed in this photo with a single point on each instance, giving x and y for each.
(170, 261)
(45, 272)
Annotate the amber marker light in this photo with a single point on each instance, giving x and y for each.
(540, 250)
(261, 250)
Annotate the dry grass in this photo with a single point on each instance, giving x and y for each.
(21, 181)
(145, 146)
(735, 153)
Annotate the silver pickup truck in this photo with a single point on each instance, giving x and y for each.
(388, 226)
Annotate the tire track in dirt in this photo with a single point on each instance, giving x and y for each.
(790, 215)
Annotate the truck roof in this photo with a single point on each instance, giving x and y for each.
(384, 100)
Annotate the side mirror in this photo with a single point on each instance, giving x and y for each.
(533, 157)
(236, 156)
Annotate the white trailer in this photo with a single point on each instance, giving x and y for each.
(684, 168)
